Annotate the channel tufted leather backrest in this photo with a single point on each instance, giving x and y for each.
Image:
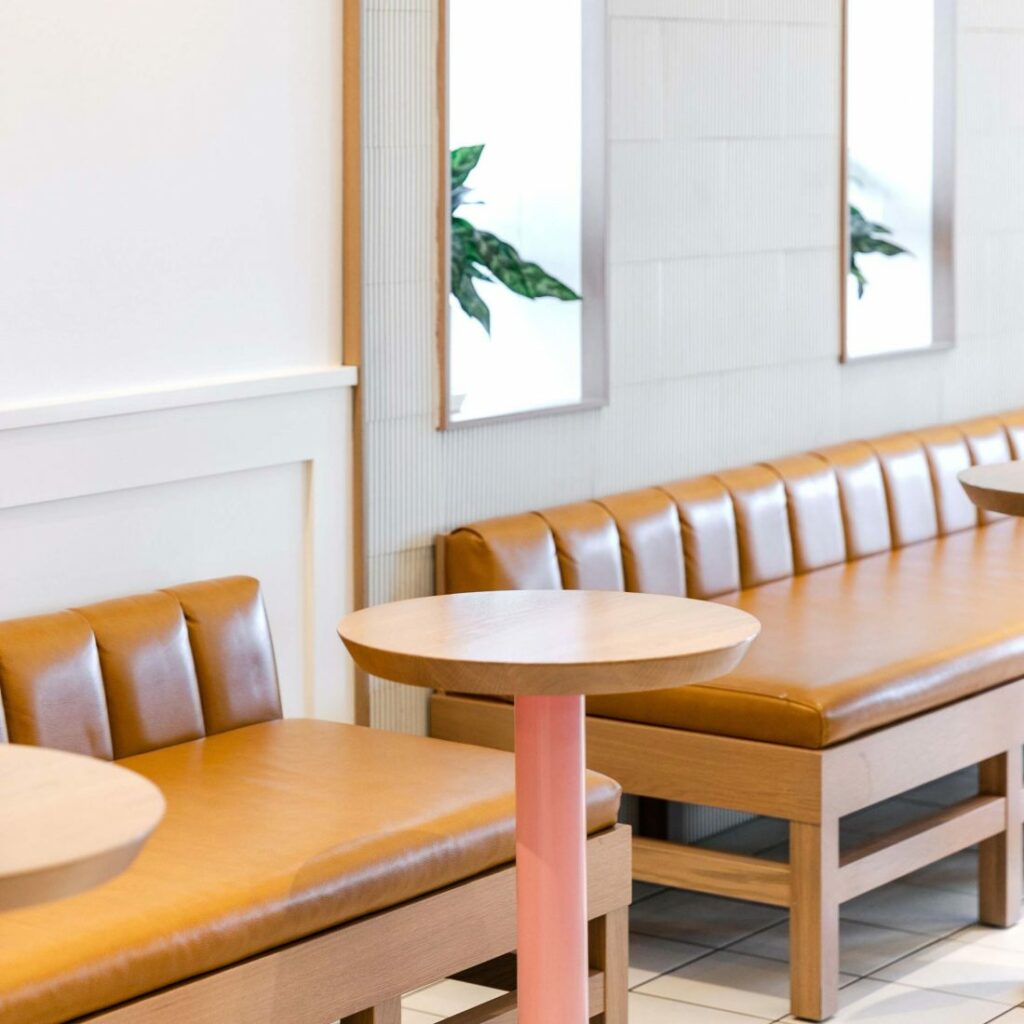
(740, 528)
(139, 673)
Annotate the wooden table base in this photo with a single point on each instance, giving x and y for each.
(551, 883)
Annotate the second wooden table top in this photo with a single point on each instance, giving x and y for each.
(535, 642)
(998, 487)
(69, 822)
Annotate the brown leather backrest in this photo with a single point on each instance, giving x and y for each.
(139, 673)
(815, 512)
(862, 498)
(762, 524)
(652, 548)
(711, 551)
(990, 440)
(740, 528)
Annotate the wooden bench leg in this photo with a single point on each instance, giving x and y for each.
(389, 1012)
(609, 952)
(814, 920)
(1001, 858)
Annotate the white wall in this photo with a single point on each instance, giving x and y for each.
(171, 402)
(169, 192)
(724, 166)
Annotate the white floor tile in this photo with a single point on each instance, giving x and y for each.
(418, 1017)
(650, 956)
(913, 908)
(872, 1002)
(448, 997)
(928, 960)
(729, 981)
(1011, 939)
(863, 948)
(652, 1010)
(964, 969)
(704, 920)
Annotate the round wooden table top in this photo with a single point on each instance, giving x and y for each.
(69, 822)
(996, 488)
(548, 642)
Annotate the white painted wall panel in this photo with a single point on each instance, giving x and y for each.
(171, 405)
(170, 206)
(111, 505)
(65, 553)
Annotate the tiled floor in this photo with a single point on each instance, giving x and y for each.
(911, 952)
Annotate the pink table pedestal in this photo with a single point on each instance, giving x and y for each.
(551, 867)
(548, 649)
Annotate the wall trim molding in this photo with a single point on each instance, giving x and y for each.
(207, 392)
(143, 490)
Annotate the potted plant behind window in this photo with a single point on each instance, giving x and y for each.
(868, 237)
(478, 255)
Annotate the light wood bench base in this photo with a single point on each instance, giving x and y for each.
(813, 790)
(359, 971)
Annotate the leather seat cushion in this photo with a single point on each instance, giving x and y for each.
(273, 832)
(860, 645)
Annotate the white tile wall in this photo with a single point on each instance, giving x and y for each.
(636, 110)
(724, 164)
(1001, 15)
(673, 199)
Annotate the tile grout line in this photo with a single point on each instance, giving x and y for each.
(710, 951)
(707, 1006)
(951, 936)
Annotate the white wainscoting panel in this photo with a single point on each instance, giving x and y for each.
(238, 478)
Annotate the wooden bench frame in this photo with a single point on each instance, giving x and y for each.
(812, 790)
(359, 971)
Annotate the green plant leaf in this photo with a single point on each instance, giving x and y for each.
(462, 239)
(869, 238)
(880, 245)
(519, 275)
(858, 276)
(464, 160)
(481, 256)
(469, 299)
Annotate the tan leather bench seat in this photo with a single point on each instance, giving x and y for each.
(273, 832)
(276, 829)
(854, 647)
(884, 597)
(881, 590)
